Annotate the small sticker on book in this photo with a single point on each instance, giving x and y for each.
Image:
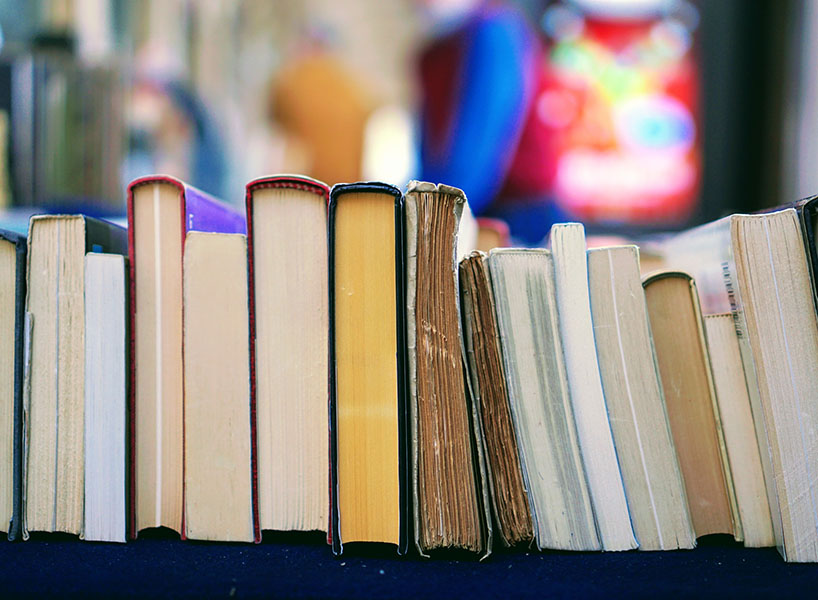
(731, 296)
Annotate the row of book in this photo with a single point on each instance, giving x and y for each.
(550, 396)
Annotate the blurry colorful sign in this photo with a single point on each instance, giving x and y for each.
(620, 100)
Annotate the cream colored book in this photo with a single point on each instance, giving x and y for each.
(54, 412)
(774, 281)
(106, 385)
(633, 393)
(218, 494)
(523, 286)
(585, 384)
(739, 431)
(288, 267)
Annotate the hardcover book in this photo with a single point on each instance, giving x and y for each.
(12, 311)
(54, 416)
(161, 211)
(449, 496)
(369, 484)
(504, 474)
(693, 414)
(287, 264)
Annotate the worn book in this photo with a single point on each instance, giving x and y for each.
(633, 394)
(218, 418)
(509, 497)
(12, 312)
(449, 496)
(106, 386)
(55, 305)
(582, 369)
(367, 312)
(687, 381)
(161, 210)
(289, 323)
(526, 304)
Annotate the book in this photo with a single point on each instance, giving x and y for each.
(289, 321)
(582, 368)
(776, 299)
(54, 416)
(739, 430)
(633, 394)
(525, 299)
(687, 382)
(448, 494)
(706, 253)
(161, 210)
(219, 492)
(12, 311)
(369, 483)
(106, 398)
(509, 497)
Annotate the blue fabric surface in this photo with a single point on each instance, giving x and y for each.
(302, 566)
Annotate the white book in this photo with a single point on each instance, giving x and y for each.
(105, 398)
(585, 385)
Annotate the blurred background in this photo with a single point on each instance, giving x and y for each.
(632, 116)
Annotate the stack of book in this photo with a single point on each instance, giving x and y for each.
(336, 362)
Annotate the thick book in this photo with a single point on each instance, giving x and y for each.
(775, 292)
(106, 398)
(693, 414)
(287, 268)
(523, 287)
(12, 311)
(54, 415)
(509, 498)
(582, 368)
(633, 394)
(161, 211)
(369, 486)
(449, 496)
(218, 417)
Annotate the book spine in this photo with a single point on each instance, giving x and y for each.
(15, 528)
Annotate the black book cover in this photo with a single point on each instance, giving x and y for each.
(19, 241)
(403, 446)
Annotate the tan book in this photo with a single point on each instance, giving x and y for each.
(681, 353)
(367, 357)
(55, 412)
(582, 368)
(218, 473)
(449, 499)
(510, 507)
(776, 296)
(525, 299)
(288, 270)
(739, 430)
(636, 404)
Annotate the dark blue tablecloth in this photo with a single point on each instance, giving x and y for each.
(301, 566)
